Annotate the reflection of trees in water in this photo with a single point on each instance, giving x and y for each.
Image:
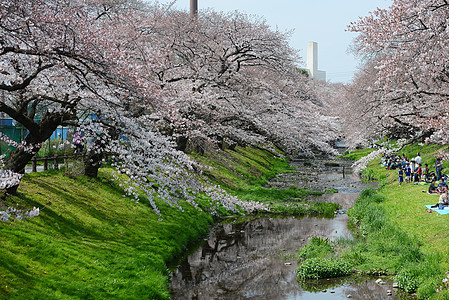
(321, 174)
(241, 261)
(245, 260)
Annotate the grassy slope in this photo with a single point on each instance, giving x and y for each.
(91, 242)
(404, 206)
(244, 173)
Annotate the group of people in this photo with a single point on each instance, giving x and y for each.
(413, 171)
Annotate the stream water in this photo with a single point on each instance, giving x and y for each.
(255, 258)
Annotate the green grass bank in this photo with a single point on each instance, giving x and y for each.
(395, 234)
(91, 242)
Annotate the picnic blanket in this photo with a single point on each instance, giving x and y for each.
(444, 211)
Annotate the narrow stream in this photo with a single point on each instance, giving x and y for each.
(255, 258)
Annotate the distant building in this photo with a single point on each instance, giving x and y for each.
(312, 62)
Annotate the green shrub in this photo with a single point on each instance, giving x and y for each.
(368, 175)
(316, 268)
(427, 289)
(382, 181)
(323, 208)
(370, 195)
(407, 280)
(316, 248)
(355, 257)
(365, 214)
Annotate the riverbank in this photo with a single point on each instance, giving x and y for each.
(395, 223)
(257, 255)
(90, 241)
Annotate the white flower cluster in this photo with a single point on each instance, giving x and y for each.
(9, 179)
(18, 214)
(21, 146)
(362, 163)
(232, 203)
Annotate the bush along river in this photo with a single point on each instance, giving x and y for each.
(256, 257)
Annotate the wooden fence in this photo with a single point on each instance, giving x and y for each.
(56, 159)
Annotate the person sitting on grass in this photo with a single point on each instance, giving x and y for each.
(431, 176)
(442, 185)
(442, 190)
(432, 187)
(383, 160)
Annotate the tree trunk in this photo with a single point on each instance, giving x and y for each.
(37, 136)
(94, 159)
(18, 160)
(92, 163)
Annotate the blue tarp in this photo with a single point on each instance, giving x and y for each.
(444, 211)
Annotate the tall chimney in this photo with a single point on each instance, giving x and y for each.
(193, 8)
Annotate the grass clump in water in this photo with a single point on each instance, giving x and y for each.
(316, 248)
(318, 261)
(317, 268)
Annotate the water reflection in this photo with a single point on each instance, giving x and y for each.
(256, 259)
(251, 260)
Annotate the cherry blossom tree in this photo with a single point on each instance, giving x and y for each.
(52, 68)
(366, 116)
(64, 60)
(406, 74)
(235, 81)
(134, 78)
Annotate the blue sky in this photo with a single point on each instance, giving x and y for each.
(321, 21)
